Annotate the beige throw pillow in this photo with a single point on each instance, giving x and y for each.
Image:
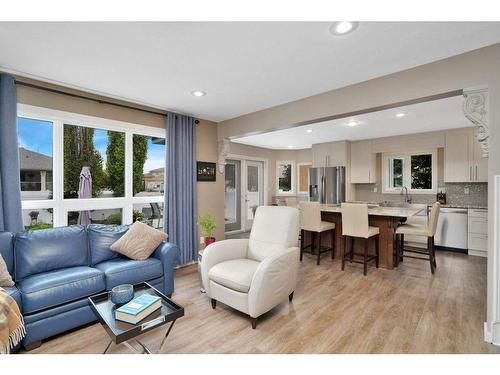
(139, 242)
(5, 278)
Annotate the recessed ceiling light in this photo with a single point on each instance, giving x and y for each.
(309, 130)
(198, 93)
(352, 123)
(401, 114)
(343, 27)
(290, 146)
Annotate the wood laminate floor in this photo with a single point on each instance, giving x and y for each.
(405, 310)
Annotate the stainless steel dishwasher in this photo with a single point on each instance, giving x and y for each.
(452, 229)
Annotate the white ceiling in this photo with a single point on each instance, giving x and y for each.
(423, 117)
(244, 67)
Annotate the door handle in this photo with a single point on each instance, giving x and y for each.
(476, 172)
(369, 176)
(470, 172)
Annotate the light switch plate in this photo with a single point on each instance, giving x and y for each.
(466, 190)
(202, 240)
(375, 189)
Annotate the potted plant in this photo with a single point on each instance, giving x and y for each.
(207, 223)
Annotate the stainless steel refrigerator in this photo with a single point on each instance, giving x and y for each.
(327, 185)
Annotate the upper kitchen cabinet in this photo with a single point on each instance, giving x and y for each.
(363, 167)
(331, 154)
(463, 161)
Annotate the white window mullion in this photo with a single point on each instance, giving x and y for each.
(59, 218)
(129, 161)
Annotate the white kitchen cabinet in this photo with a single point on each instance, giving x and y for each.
(363, 167)
(463, 160)
(331, 154)
(477, 239)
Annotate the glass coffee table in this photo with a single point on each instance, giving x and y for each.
(121, 332)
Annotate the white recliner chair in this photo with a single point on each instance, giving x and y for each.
(256, 274)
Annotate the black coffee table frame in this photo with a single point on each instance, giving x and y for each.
(120, 332)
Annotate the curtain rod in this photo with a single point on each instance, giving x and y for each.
(100, 101)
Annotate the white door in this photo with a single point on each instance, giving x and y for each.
(253, 192)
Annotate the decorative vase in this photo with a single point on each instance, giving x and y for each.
(209, 240)
(122, 294)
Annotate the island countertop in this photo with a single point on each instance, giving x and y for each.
(398, 212)
(387, 219)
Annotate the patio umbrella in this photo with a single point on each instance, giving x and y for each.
(85, 191)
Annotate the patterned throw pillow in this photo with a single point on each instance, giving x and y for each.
(5, 278)
(139, 242)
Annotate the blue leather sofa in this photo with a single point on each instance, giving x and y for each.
(55, 270)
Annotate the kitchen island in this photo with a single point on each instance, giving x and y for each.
(385, 218)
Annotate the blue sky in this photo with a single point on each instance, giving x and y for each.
(36, 135)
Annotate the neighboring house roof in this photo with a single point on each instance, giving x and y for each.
(34, 161)
(157, 174)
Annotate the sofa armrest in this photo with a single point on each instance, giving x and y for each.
(219, 252)
(169, 255)
(274, 279)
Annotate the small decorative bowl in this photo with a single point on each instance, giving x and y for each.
(122, 294)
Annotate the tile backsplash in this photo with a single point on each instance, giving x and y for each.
(455, 194)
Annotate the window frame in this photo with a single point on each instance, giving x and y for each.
(292, 177)
(58, 203)
(387, 187)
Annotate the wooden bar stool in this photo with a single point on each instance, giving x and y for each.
(420, 230)
(310, 221)
(355, 224)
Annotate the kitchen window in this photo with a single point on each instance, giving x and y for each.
(415, 171)
(285, 177)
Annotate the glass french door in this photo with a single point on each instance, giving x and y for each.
(254, 196)
(232, 196)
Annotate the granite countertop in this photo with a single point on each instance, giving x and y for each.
(467, 206)
(379, 211)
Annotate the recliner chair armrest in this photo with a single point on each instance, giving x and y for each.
(169, 255)
(219, 252)
(274, 280)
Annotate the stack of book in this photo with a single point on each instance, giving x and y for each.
(138, 309)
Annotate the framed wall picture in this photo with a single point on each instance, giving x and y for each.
(205, 171)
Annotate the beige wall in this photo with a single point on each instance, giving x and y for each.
(477, 68)
(210, 194)
(299, 156)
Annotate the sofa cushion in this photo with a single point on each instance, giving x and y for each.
(101, 237)
(16, 294)
(50, 249)
(139, 242)
(7, 250)
(126, 271)
(234, 274)
(54, 288)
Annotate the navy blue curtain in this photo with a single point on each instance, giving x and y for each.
(10, 192)
(180, 192)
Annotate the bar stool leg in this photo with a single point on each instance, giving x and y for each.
(429, 249)
(401, 247)
(433, 252)
(333, 243)
(365, 256)
(345, 251)
(377, 239)
(302, 233)
(319, 249)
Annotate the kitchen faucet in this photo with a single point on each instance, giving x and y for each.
(407, 197)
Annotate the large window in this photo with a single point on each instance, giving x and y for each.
(285, 177)
(126, 163)
(415, 171)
